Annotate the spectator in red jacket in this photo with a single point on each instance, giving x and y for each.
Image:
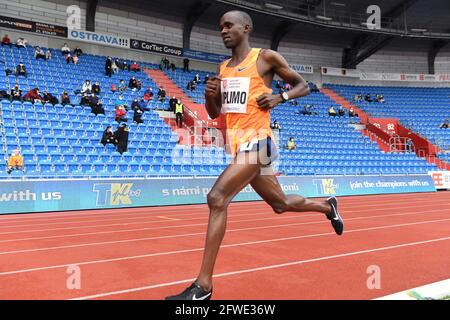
(135, 67)
(33, 95)
(6, 41)
(121, 114)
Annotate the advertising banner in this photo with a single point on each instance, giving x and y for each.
(302, 68)
(60, 195)
(441, 179)
(204, 56)
(155, 47)
(99, 38)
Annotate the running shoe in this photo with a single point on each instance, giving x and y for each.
(335, 217)
(193, 292)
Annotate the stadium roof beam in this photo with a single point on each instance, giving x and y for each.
(436, 46)
(372, 42)
(91, 9)
(279, 33)
(194, 13)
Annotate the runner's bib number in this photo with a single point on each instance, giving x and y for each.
(235, 94)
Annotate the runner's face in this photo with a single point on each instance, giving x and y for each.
(232, 30)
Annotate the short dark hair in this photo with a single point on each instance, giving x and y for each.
(244, 17)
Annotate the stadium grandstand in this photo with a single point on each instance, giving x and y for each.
(108, 142)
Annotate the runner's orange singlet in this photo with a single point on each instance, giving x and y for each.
(240, 86)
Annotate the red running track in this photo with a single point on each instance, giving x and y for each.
(148, 253)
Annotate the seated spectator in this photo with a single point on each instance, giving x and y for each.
(357, 97)
(122, 86)
(4, 94)
(49, 98)
(65, 49)
(21, 70)
(119, 102)
(206, 78)
(6, 41)
(115, 68)
(191, 85)
(137, 117)
(293, 102)
(118, 63)
(379, 98)
(278, 85)
(445, 124)
(162, 94)
(69, 58)
(15, 162)
(75, 59)
(134, 103)
(351, 113)
(65, 98)
(314, 88)
(21, 43)
(332, 112)
(108, 137)
(121, 135)
(113, 88)
(368, 98)
(33, 96)
(291, 144)
(96, 88)
(197, 78)
(125, 66)
(148, 94)
(16, 93)
(96, 105)
(78, 51)
(121, 114)
(39, 54)
(341, 111)
(135, 67)
(138, 84)
(85, 100)
(307, 110)
(275, 125)
(287, 87)
(87, 87)
(132, 84)
(143, 105)
(48, 54)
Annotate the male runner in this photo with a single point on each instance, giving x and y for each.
(243, 91)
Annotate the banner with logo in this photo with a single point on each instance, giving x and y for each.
(441, 179)
(50, 30)
(17, 24)
(60, 195)
(339, 72)
(99, 38)
(204, 56)
(155, 47)
(302, 68)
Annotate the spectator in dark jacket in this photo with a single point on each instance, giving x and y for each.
(39, 54)
(16, 93)
(65, 98)
(121, 135)
(172, 103)
(108, 67)
(78, 51)
(132, 84)
(21, 70)
(445, 124)
(96, 106)
(162, 94)
(49, 98)
(108, 136)
(96, 88)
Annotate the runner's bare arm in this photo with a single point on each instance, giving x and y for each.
(212, 96)
(274, 63)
